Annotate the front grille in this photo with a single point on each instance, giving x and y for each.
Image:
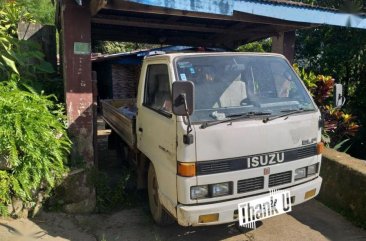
(279, 179)
(241, 163)
(250, 184)
(213, 167)
(306, 152)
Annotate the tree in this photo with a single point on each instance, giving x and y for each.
(42, 11)
(341, 53)
(257, 46)
(33, 141)
(113, 47)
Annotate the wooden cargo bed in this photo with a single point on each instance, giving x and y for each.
(121, 120)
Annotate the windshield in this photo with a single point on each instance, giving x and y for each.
(233, 85)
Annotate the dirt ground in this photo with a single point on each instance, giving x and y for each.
(309, 221)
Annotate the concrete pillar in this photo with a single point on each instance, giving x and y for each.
(284, 44)
(75, 39)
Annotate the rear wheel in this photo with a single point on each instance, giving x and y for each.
(158, 213)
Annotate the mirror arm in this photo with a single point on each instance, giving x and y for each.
(342, 99)
(339, 98)
(189, 126)
(187, 138)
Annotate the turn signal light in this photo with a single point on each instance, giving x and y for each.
(208, 218)
(310, 194)
(186, 169)
(320, 148)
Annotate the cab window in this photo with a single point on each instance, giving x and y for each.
(157, 88)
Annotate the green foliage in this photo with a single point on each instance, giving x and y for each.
(339, 127)
(10, 14)
(113, 196)
(339, 52)
(23, 58)
(4, 192)
(20, 57)
(258, 46)
(309, 78)
(112, 47)
(33, 142)
(40, 11)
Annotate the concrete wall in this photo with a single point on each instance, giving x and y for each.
(344, 185)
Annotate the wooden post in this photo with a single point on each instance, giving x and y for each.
(76, 41)
(95, 116)
(284, 44)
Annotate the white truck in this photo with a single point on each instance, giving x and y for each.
(210, 131)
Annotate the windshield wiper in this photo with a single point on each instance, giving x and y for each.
(234, 117)
(286, 114)
(249, 114)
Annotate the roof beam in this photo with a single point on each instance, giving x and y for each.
(237, 16)
(143, 23)
(100, 34)
(145, 35)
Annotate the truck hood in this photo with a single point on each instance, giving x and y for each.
(252, 136)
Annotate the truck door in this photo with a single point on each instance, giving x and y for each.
(156, 129)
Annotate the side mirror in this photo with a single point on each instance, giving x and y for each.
(183, 98)
(338, 98)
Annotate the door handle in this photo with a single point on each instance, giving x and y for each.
(141, 130)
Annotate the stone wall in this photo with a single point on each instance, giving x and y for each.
(344, 185)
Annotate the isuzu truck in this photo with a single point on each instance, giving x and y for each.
(209, 132)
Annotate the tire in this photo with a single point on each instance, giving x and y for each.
(158, 213)
(123, 153)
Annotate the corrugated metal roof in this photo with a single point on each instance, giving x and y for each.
(297, 4)
(301, 14)
(278, 9)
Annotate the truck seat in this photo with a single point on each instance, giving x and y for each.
(234, 93)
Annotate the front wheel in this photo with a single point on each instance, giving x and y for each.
(158, 213)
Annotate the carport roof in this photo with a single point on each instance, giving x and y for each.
(214, 23)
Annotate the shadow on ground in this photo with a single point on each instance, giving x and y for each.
(329, 223)
(129, 225)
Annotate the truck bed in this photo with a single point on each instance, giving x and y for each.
(122, 122)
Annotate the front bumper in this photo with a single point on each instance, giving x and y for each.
(189, 215)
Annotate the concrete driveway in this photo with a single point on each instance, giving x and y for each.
(309, 221)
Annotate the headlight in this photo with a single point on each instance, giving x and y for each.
(211, 190)
(303, 172)
(300, 173)
(198, 192)
(313, 169)
(220, 189)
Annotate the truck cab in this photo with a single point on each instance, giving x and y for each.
(253, 127)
